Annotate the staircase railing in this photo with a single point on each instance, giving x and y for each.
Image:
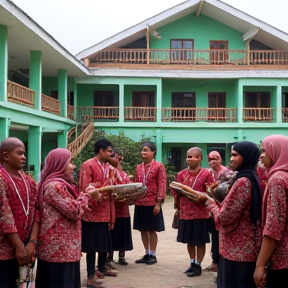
(71, 132)
(81, 141)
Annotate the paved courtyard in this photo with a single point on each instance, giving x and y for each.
(172, 259)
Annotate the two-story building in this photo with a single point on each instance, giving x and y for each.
(199, 74)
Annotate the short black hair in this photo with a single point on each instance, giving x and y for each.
(102, 144)
(151, 145)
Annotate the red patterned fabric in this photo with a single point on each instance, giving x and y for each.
(92, 172)
(215, 175)
(189, 210)
(122, 209)
(275, 217)
(156, 178)
(239, 238)
(263, 177)
(12, 216)
(60, 230)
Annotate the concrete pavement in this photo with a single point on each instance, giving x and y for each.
(172, 258)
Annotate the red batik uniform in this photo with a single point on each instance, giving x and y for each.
(275, 217)
(189, 210)
(92, 171)
(122, 209)
(60, 232)
(239, 238)
(13, 218)
(154, 177)
(263, 177)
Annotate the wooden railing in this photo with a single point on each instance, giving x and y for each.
(258, 114)
(199, 114)
(284, 114)
(20, 94)
(50, 104)
(80, 142)
(140, 113)
(70, 111)
(98, 112)
(191, 56)
(71, 132)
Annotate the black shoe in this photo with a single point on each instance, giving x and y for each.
(144, 259)
(122, 261)
(196, 272)
(190, 269)
(151, 260)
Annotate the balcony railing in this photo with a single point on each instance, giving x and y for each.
(284, 114)
(258, 114)
(70, 111)
(140, 114)
(191, 56)
(199, 114)
(20, 94)
(98, 112)
(50, 104)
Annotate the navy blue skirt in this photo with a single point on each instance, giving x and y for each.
(194, 232)
(58, 275)
(145, 220)
(122, 235)
(96, 237)
(9, 272)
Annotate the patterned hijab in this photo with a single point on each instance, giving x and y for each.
(276, 146)
(250, 154)
(54, 170)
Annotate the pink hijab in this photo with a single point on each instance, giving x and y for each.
(276, 146)
(217, 156)
(54, 169)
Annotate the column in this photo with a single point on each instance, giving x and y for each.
(34, 150)
(62, 91)
(3, 62)
(121, 103)
(75, 101)
(240, 102)
(4, 128)
(35, 77)
(278, 104)
(62, 139)
(159, 145)
(159, 102)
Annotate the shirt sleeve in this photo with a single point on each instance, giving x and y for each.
(57, 196)
(162, 182)
(229, 213)
(276, 209)
(85, 177)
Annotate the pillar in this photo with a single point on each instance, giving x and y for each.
(3, 62)
(278, 104)
(62, 91)
(35, 77)
(34, 150)
(121, 103)
(159, 145)
(240, 101)
(75, 101)
(4, 128)
(62, 139)
(159, 102)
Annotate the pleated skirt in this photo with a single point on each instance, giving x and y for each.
(145, 220)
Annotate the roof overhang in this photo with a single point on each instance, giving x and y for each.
(220, 11)
(25, 35)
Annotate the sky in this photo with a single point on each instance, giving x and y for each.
(80, 24)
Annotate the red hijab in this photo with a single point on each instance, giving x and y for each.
(54, 170)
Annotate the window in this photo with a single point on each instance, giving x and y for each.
(181, 50)
(218, 57)
(183, 100)
(143, 99)
(285, 100)
(217, 100)
(257, 99)
(104, 98)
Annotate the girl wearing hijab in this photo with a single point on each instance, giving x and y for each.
(61, 208)
(238, 220)
(274, 247)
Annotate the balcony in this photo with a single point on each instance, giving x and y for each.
(258, 114)
(284, 114)
(50, 104)
(199, 114)
(20, 94)
(71, 112)
(143, 114)
(191, 57)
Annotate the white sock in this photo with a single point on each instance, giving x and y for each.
(153, 253)
(147, 252)
(197, 263)
(192, 261)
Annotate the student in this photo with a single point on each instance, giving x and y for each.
(194, 222)
(148, 215)
(101, 216)
(238, 220)
(19, 216)
(274, 248)
(61, 208)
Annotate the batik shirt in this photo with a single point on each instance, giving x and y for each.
(275, 217)
(215, 175)
(239, 237)
(188, 209)
(154, 177)
(12, 215)
(100, 175)
(263, 177)
(60, 230)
